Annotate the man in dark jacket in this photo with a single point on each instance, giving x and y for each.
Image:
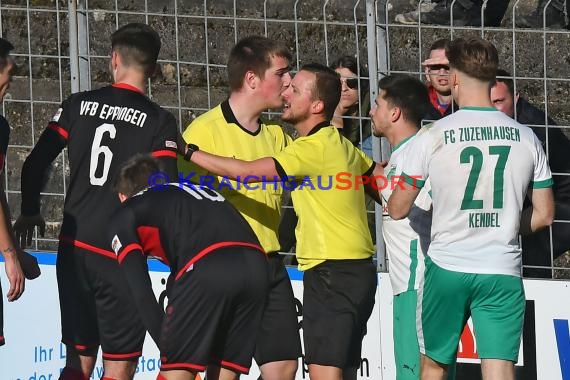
(537, 248)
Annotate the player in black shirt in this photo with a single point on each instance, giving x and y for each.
(101, 130)
(218, 271)
(18, 264)
(7, 247)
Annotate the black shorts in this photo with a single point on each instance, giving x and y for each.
(338, 299)
(280, 322)
(214, 312)
(96, 305)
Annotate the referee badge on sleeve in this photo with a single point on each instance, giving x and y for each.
(116, 244)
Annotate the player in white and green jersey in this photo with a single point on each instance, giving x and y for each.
(480, 164)
(397, 115)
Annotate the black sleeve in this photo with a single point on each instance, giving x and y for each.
(35, 169)
(279, 169)
(135, 268)
(369, 188)
(287, 226)
(4, 135)
(165, 145)
(4, 138)
(168, 166)
(126, 245)
(370, 170)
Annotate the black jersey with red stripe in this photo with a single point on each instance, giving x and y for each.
(178, 224)
(101, 130)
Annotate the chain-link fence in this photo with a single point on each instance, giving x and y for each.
(533, 43)
(197, 37)
(41, 80)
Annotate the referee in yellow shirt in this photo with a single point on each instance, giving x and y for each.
(258, 70)
(334, 245)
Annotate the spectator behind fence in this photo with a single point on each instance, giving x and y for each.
(352, 110)
(334, 248)
(439, 85)
(464, 12)
(547, 14)
(258, 70)
(480, 164)
(219, 271)
(536, 247)
(95, 304)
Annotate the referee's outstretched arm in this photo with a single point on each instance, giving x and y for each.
(255, 171)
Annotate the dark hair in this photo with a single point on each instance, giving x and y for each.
(442, 43)
(505, 77)
(356, 127)
(5, 48)
(407, 93)
(475, 57)
(137, 44)
(351, 63)
(134, 174)
(253, 53)
(327, 86)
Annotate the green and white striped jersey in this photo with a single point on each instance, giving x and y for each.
(407, 239)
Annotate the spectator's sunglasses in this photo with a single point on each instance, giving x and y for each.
(438, 67)
(351, 83)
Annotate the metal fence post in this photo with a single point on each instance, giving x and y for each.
(78, 46)
(378, 65)
(83, 45)
(73, 49)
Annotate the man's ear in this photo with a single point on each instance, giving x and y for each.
(396, 113)
(517, 95)
(251, 79)
(454, 79)
(318, 106)
(122, 197)
(115, 59)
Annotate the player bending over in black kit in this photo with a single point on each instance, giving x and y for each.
(218, 272)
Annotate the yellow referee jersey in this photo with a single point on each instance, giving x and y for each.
(218, 132)
(329, 197)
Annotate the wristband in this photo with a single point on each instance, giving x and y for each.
(190, 149)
